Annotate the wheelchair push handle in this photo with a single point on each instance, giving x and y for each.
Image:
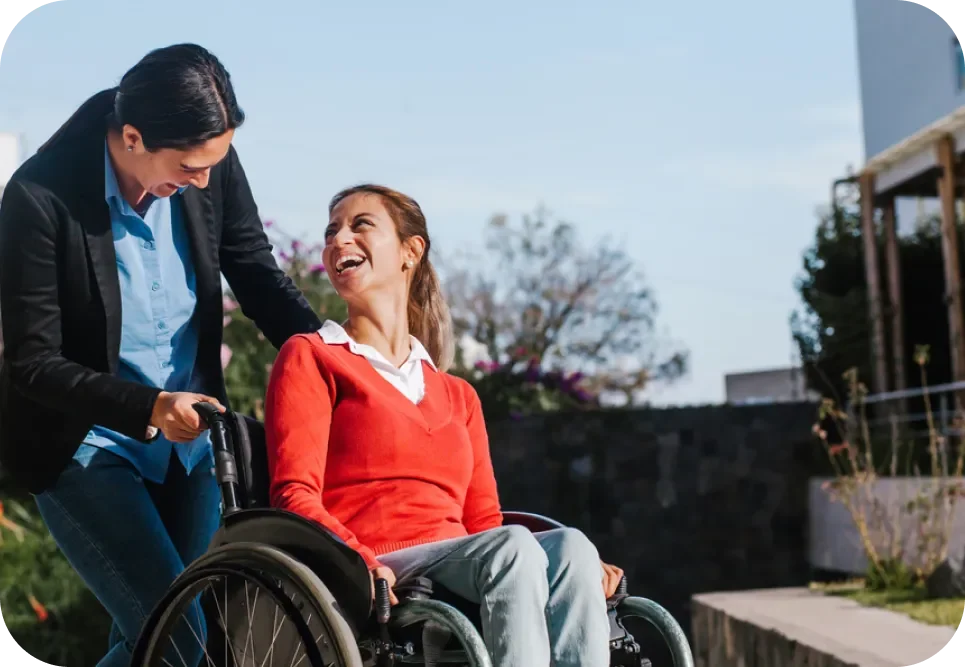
(208, 413)
(226, 468)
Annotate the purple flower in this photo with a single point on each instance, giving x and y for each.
(269, 224)
(583, 396)
(318, 268)
(296, 245)
(285, 256)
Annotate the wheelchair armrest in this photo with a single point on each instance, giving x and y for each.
(535, 522)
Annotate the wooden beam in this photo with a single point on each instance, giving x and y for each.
(869, 237)
(953, 284)
(896, 312)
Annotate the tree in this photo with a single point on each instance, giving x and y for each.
(831, 328)
(541, 293)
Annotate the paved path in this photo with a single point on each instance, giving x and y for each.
(834, 625)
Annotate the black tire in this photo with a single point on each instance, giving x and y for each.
(283, 578)
(673, 635)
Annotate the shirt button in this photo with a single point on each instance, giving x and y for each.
(162, 326)
(155, 286)
(149, 245)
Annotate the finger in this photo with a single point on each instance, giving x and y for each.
(212, 401)
(182, 435)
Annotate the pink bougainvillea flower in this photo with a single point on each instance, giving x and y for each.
(269, 224)
(226, 320)
(225, 356)
(318, 268)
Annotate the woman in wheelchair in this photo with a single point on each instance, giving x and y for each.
(370, 437)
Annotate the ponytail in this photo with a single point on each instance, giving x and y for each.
(429, 318)
(96, 111)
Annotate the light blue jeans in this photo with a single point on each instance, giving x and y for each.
(541, 595)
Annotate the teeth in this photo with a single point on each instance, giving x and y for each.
(342, 261)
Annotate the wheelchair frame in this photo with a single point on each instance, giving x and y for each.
(319, 561)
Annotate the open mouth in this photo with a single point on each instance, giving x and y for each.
(348, 263)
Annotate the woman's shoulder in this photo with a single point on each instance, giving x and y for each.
(459, 386)
(304, 346)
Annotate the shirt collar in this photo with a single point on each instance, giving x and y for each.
(333, 333)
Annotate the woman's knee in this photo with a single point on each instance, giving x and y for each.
(570, 548)
(516, 549)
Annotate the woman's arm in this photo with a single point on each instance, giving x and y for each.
(265, 293)
(481, 510)
(32, 338)
(298, 417)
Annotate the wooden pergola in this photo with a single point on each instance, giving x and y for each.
(926, 164)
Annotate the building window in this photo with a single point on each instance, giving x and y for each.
(959, 64)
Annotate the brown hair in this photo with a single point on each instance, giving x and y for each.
(428, 313)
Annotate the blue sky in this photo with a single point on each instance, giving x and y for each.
(704, 135)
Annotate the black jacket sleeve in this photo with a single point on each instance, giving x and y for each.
(265, 293)
(32, 336)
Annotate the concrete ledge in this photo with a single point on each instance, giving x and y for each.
(792, 627)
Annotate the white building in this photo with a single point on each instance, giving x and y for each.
(778, 385)
(9, 157)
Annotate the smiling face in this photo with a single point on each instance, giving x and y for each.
(363, 252)
(163, 171)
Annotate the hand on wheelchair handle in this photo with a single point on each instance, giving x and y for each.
(175, 416)
(383, 574)
(612, 577)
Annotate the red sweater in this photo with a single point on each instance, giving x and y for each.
(348, 450)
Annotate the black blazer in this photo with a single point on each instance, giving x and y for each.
(60, 303)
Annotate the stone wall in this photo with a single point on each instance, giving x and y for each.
(686, 500)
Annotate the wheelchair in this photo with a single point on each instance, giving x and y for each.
(275, 589)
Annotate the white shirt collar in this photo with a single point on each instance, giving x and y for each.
(333, 333)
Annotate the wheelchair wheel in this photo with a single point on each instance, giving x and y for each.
(673, 635)
(247, 605)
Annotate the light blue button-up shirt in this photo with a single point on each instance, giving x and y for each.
(159, 338)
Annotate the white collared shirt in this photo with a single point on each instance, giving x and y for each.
(408, 378)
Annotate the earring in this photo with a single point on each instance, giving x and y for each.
(130, 148)
(410, 263)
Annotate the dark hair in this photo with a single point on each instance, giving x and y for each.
(428, 313)
(176, 97)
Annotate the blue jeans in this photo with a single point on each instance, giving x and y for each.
(541, 595)
(129, 539)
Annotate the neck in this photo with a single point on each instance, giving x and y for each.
(383, 325)
(130, 187)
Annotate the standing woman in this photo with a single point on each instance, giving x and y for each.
(112, 241)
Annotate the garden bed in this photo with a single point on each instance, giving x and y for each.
(913, 603)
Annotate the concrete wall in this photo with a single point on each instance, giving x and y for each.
(685, 500)
(834, 542)
(908, 71)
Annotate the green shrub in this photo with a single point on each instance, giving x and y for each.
(68, 626)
